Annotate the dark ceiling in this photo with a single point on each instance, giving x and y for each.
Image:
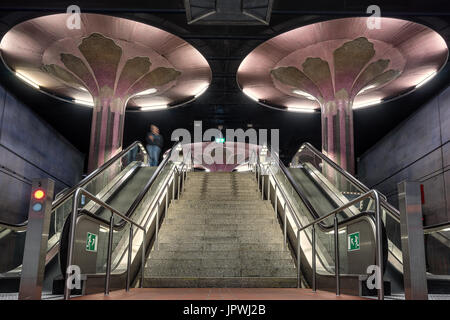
(224, 47)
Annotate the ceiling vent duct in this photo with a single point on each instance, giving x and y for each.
(228, 12)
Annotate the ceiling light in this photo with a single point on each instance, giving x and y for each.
(160, 107)
(27, 80)
(305, 110)
(367, 104)
(84, 102)
(304, 94)
(428, 78)
(146, 92)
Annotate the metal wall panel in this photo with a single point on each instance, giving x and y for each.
(416, 150)
(30, 148)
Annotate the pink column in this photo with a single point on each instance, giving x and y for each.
(106, 131)
(337, 135)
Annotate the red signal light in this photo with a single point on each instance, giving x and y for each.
(39, 194)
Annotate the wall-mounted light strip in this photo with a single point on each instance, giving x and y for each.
(84, 102)
(149, 108)
(428, 78)
(27, 80)
(367, 104)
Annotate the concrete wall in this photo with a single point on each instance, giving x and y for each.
(30, 148)
(418, 149)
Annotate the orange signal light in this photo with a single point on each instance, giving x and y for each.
(39, 194)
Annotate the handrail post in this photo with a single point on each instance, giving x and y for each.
(167, 201)
(143, 258)
(284, 224)
(173, 185)
(313, 240)
(268, 187)
(298, 259)
(109, 254)
(157, 226)
(336, 255)
(379, 246)
(276, 200)
(262, 188)
(178, 189)
(76, 199)
(130, 250)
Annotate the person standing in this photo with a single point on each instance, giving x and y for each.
(154, 145)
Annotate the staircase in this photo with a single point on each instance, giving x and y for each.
(220, 234)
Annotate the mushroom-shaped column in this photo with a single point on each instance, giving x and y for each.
(108, 63)
(340, 65)
(352, 73)
(110, 88)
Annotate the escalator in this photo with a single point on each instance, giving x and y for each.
(317, 186)
(126, 183)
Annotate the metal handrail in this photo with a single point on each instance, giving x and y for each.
(384, 203)
(77, 196)
(22, 226)
(120, 225)
(371, 193)
(379, 252)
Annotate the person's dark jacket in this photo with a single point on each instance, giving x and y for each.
(157, 139)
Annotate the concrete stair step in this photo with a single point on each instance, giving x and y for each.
(167, 232)
(242, 263)
(273, 238)
(222, 282)
(206, 247)
(226, 227)
(201, 271)
(223, 210)
(234, 254)
(246, 219)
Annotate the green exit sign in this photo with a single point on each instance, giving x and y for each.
(220, 140)
(353, 241)
(91, 242)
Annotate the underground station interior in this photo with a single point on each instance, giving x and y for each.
(224, 150)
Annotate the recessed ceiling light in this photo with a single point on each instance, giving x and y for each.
(428, 78)
(27, 80)
(249, 95)
(365, 89)
(84, 102)
(305, 110)
(153, 108)
(201, 92)
(146, 92)
(304, 94)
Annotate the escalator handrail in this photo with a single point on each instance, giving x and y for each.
(384, 203)
(120, 225)
(292, 181)
(56, 203)
(323, 227)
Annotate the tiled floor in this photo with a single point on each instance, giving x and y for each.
(219, 294)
